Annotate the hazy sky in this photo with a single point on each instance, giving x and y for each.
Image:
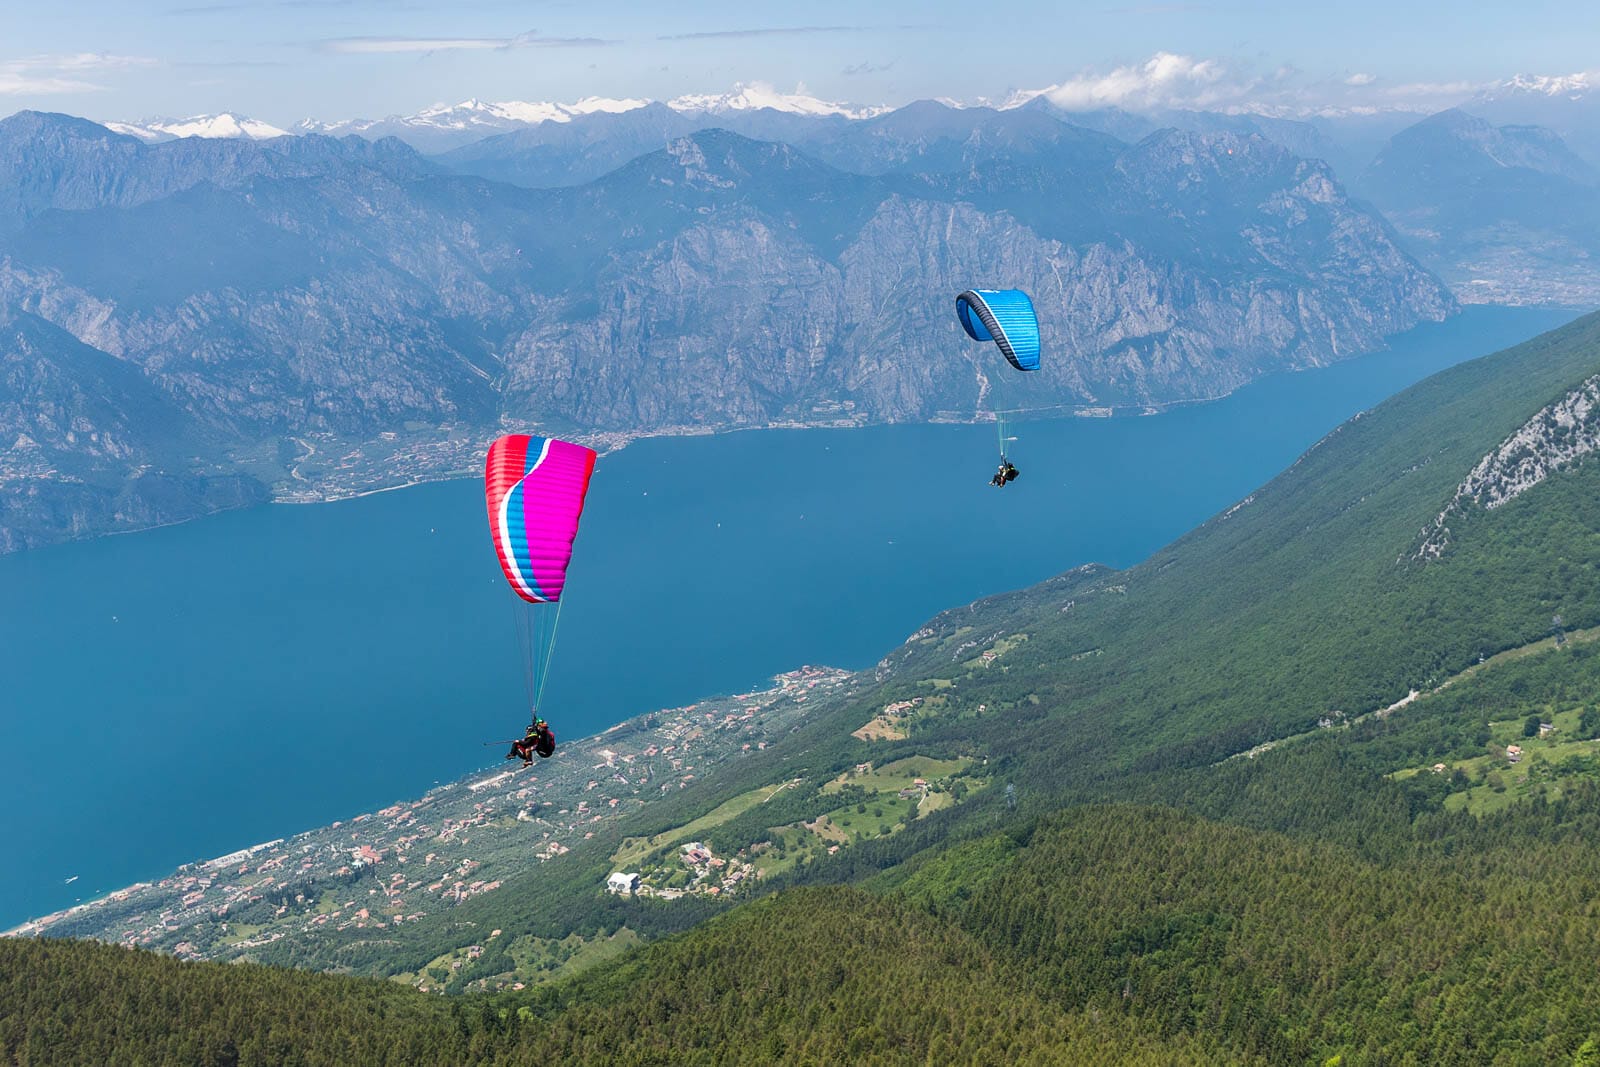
(282, 60)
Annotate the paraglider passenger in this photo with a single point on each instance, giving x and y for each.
(539, 738)
(1006, 473)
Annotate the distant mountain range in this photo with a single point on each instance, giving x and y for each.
(1505, 214)
(1569, 105)
(1348, 142)
(445, 126)
(287, 297)
(318, 316)
(209, 126)
(1347, 138)
(1501, 223)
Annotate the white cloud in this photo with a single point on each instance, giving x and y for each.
(54, 74)
(401, 45)
(1165, 80)
(1421, 89)
(1170, 81)
(770, 31)
(13, 83)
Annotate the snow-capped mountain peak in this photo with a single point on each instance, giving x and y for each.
(448, 123)
(223, 126)
(1548, 84)
(444, 126)
(476, 112)
(591, 104)
(752, 96)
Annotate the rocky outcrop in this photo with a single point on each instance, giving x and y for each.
(1556, 438)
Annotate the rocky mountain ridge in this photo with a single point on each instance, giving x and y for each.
(309, 315)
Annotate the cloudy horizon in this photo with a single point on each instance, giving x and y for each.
(1164, 83)
(282, 61)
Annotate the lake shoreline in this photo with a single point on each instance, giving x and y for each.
(792, 686)
(608, 443)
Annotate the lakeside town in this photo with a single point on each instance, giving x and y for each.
(399, 864)
(323, 466)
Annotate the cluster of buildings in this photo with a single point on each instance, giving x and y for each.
(709, 873)
(403, 862)
(418, 456)
(889, 724)
(917, 789)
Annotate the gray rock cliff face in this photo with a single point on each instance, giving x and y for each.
(1555, 439)
(323, 317)
(84, 435)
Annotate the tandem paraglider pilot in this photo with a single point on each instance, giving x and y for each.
(1006, 473)
(540, 738)
(1006, 317)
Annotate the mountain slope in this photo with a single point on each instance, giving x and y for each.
(1302, 601)
(882, 983)
(92, 444)
(300, 299)
(1302, 604)
(889, 984)
(1292, 950)
(1505, 214)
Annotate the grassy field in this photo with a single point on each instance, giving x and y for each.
(238, 932)
(535, 960)
(542, 959)
(871, 806)
(1493, 781)
(994, 652)
(635, 849)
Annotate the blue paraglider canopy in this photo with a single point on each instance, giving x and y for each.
(1006, 317)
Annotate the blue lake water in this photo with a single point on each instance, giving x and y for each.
(176, 694)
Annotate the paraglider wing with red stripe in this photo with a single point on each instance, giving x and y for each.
(534, 488)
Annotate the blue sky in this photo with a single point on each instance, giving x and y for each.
(282, 60)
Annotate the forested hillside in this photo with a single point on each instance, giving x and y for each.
(885, 983)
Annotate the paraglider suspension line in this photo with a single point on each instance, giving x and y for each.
(523, 614)
(549, 651)
(536, 641)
